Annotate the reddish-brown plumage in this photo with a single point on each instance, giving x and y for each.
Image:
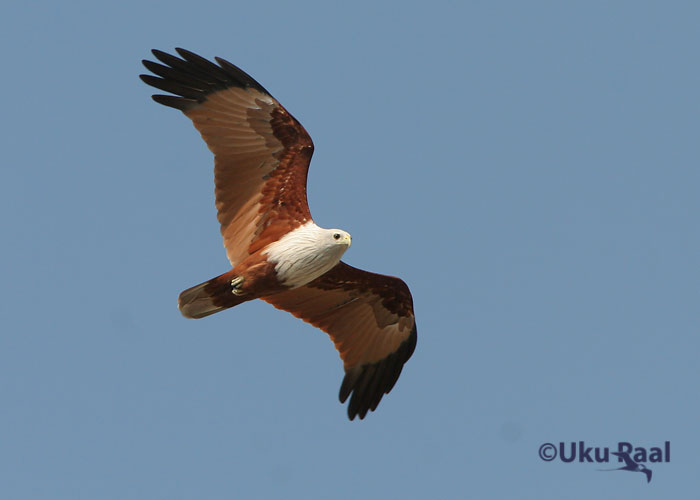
(261, 158)
(258, 279)
(370, 320)
(325, 301)
(261, 184)
(259, 276)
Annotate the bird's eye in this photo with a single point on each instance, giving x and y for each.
(336, 236)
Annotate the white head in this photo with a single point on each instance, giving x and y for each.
(329, 244)
(336, 239)
(307, 252)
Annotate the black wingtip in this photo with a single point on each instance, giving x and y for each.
(369, 383)
(175, 102)
(192, 78)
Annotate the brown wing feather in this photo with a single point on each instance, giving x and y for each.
(261, 152)
(370, 320)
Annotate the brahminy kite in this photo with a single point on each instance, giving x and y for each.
(277, 252)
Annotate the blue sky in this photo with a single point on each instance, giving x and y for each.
(530, 169)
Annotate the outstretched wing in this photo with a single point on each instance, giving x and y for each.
(261, 152)
(370, 320)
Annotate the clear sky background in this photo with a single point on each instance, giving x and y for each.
(530, 169)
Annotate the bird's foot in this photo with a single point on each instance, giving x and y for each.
(236, 286)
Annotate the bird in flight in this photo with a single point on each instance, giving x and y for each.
(277, 252)
(631, 465)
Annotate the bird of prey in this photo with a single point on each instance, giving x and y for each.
(631, 465)
(277, 252)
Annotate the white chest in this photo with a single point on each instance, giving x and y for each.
(304, 254)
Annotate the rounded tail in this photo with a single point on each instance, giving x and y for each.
(209, 297)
